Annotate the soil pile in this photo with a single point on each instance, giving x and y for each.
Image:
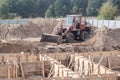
(35, 28)
(112, 40)
(105, 39)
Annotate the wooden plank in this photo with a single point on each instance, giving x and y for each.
(61, 67)
(3, 71)
(109, 65)
(22, 70)
(43, 70)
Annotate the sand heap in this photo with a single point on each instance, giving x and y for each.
(32, 29)
(106, 39)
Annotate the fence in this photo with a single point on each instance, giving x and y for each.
(18, 21)
(107, 23)
(93, 21)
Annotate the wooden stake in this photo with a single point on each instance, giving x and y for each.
(40, 57)
(27, 57)
(9, 67)
(62, 73)
(92, 68)
(22, 71)
(43, 73)
(98, 69)
(11, 71)
(70, 62)
(18, 58)
(89, 69)
(3, 59)
(16, 72)
(105, 71)
(58, 71)
(67, 73)
(74, 63)
(108, 61)
(98, 63)
(78, 65)
(51, 72)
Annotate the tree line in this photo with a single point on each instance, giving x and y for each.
(10, 9)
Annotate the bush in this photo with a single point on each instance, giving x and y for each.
(108, 11)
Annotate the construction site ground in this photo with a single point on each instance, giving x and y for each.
(24, 57)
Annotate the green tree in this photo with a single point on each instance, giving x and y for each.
(43, 5)
(79, 6)
(61, 7)
(51, 8)
(94, 6)
(108, 11)
(12, 5)
(4, 9)
(58, 6)
(116, 3)
(50, 11)
(75, 9)
(26, 8)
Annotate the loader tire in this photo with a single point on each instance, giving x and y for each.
(70, 38)
(84, 36)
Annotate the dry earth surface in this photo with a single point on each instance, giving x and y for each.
(26, 38)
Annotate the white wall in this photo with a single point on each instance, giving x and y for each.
(107, 23)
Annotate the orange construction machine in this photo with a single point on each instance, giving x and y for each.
(76, 28)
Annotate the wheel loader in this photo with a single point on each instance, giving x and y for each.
(76, 28)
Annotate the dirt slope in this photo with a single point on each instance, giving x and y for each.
(106, 39)
(32, 29)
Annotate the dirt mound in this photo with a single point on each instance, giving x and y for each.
(112, 40)
(32, 29)
(105, 39)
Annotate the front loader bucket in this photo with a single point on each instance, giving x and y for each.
(51, 38)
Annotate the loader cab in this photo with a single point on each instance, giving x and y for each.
(76, 20)
(69, 20)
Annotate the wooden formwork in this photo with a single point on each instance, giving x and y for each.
(82, 67)
(23, 69)
(101, 77)
(52, 66)
(36, 68)
(19, 57)
(3, 71)
(85, 66)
